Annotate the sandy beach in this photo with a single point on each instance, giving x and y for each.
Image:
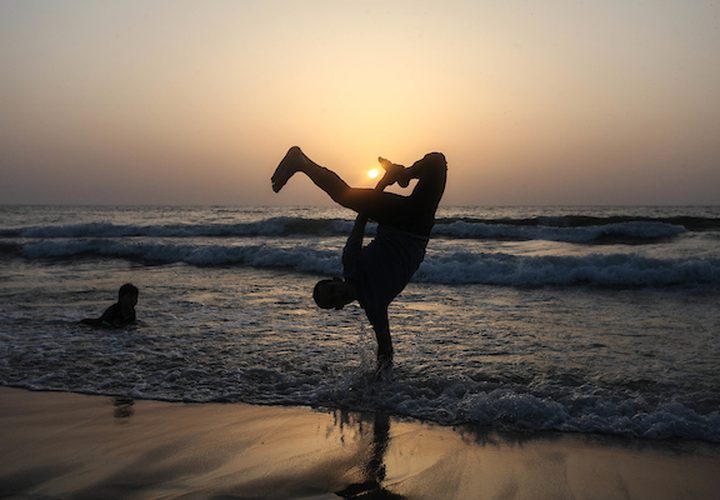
(69, 445)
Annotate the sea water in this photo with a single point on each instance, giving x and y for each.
(581, 319)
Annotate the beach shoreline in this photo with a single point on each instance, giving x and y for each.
(73, 445)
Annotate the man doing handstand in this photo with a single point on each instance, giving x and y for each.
(377, 273)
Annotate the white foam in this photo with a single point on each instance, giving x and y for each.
(460, 267)
(595, 269)
(300, 258)
(452, 401)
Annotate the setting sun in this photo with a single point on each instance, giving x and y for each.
(373, 173)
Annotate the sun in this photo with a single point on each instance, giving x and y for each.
(373, 173)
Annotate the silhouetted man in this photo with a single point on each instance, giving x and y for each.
(377, 273)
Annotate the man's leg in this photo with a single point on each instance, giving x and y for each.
(377, 205)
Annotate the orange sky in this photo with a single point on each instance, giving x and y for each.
(558, 102)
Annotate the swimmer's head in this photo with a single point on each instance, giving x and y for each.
(128, 294)
(333, 293)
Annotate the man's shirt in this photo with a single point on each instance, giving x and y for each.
(382, 269)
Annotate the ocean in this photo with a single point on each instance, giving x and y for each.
(577, 319)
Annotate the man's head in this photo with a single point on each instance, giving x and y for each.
(128, 294)
(333, 293)
(434, 158)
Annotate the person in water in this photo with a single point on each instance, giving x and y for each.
(121, 313)
(376, 274)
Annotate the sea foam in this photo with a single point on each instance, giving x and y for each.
(459, 267)
(458, 400)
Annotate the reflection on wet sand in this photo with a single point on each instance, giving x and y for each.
(123, 408)
(374, 469)
(63, 445)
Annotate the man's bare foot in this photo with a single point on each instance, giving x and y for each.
(395, 172)
(291, 163)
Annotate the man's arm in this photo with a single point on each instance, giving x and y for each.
(91, 321)
(111, 316)
(426, 167)
(353, 246)
(108, 318)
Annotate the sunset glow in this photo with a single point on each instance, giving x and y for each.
(382, 249)
(180, 102)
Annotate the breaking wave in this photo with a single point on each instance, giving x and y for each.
(621, 232)
(626, 231)
(460, 267)
(454, 400)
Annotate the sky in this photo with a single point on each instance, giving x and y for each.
(613, 102)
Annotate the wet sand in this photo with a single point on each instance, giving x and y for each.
(69, 445)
